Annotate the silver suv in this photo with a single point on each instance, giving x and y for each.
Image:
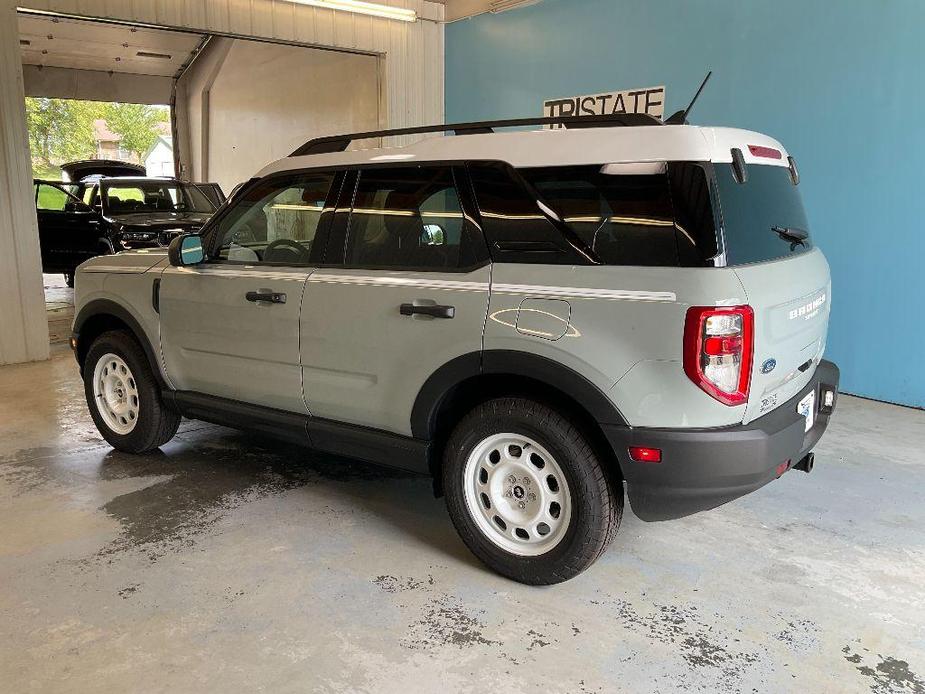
(535, 318)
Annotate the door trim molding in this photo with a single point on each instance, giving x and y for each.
(393, 281)
(243, 271)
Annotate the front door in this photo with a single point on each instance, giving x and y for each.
(68, 229)
(404, 291)
(230, 326)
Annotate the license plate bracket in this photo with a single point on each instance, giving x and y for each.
(807, 408)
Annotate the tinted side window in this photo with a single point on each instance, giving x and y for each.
(633, 214)
(517, 229)
(408, 217)
(694, 215)
(213, 192)
(277, 221)
(52, 198)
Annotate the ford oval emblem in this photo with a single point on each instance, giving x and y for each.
(768, 366)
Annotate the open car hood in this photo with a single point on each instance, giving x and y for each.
(79, 170)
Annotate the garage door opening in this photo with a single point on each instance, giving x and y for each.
(66, 130)
(206, 108)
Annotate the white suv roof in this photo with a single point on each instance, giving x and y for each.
(561, 147)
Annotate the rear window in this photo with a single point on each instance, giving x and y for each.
(652, 214)
(760, 214)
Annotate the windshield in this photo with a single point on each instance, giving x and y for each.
(136, 197)
(763, 218)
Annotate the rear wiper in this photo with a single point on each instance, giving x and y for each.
(791, 234)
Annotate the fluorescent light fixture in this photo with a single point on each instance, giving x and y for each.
(360, 7)
(504, 5)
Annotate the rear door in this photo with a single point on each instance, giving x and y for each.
(767, 242)
(404, 291)
(230, 326)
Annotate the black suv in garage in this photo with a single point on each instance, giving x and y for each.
(104, 209)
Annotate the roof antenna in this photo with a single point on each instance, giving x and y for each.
(680, 117)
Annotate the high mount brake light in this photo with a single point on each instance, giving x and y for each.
(766, 152)
(718, 348)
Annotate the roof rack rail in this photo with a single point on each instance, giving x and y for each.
(339, 143)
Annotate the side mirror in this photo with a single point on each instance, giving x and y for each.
(186, 250)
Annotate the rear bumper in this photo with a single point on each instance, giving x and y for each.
(703, 468)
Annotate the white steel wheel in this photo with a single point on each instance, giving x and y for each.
(517, 494)
(115, 393)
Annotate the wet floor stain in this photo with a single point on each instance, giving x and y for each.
(400, 584)
(446, 621)
(193, 485)
(800, 635)
(699, 642)
(129, 590)
(888, 676)
(537, 640)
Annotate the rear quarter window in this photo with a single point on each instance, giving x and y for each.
(646, 214)
(751, 212)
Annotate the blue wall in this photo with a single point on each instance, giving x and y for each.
(840, 83)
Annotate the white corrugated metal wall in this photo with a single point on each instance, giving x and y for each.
(413, 52)
(23, 327)
(412, 94)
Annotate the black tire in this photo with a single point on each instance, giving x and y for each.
(597, 506)
(69, 279)
(156, 424)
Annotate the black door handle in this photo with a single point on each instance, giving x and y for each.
(266, 295)
(435, 310)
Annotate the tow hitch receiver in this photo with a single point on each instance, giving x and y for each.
(806, 463)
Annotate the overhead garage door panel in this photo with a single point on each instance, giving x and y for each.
(267, 99)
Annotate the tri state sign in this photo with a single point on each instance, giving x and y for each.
(650, 100)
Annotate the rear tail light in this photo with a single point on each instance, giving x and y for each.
(718, 351)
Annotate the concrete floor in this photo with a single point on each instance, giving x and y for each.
(59, 308)
(231, 563)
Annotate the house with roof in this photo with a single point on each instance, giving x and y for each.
(109, 144)
(158, 160)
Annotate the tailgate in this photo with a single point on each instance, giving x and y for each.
(791, 299)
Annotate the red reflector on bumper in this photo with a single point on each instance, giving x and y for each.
(641, 454)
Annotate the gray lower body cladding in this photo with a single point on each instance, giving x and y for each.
(704, 468)
(372, 445)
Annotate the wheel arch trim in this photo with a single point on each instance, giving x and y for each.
(554, 375)
(108, 307)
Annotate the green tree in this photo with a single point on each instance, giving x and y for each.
(136, 123)
(60, 129)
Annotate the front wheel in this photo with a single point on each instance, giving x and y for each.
(123, 395)
(527, 493)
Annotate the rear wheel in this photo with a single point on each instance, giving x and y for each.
(527, 493)
(123, 395)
